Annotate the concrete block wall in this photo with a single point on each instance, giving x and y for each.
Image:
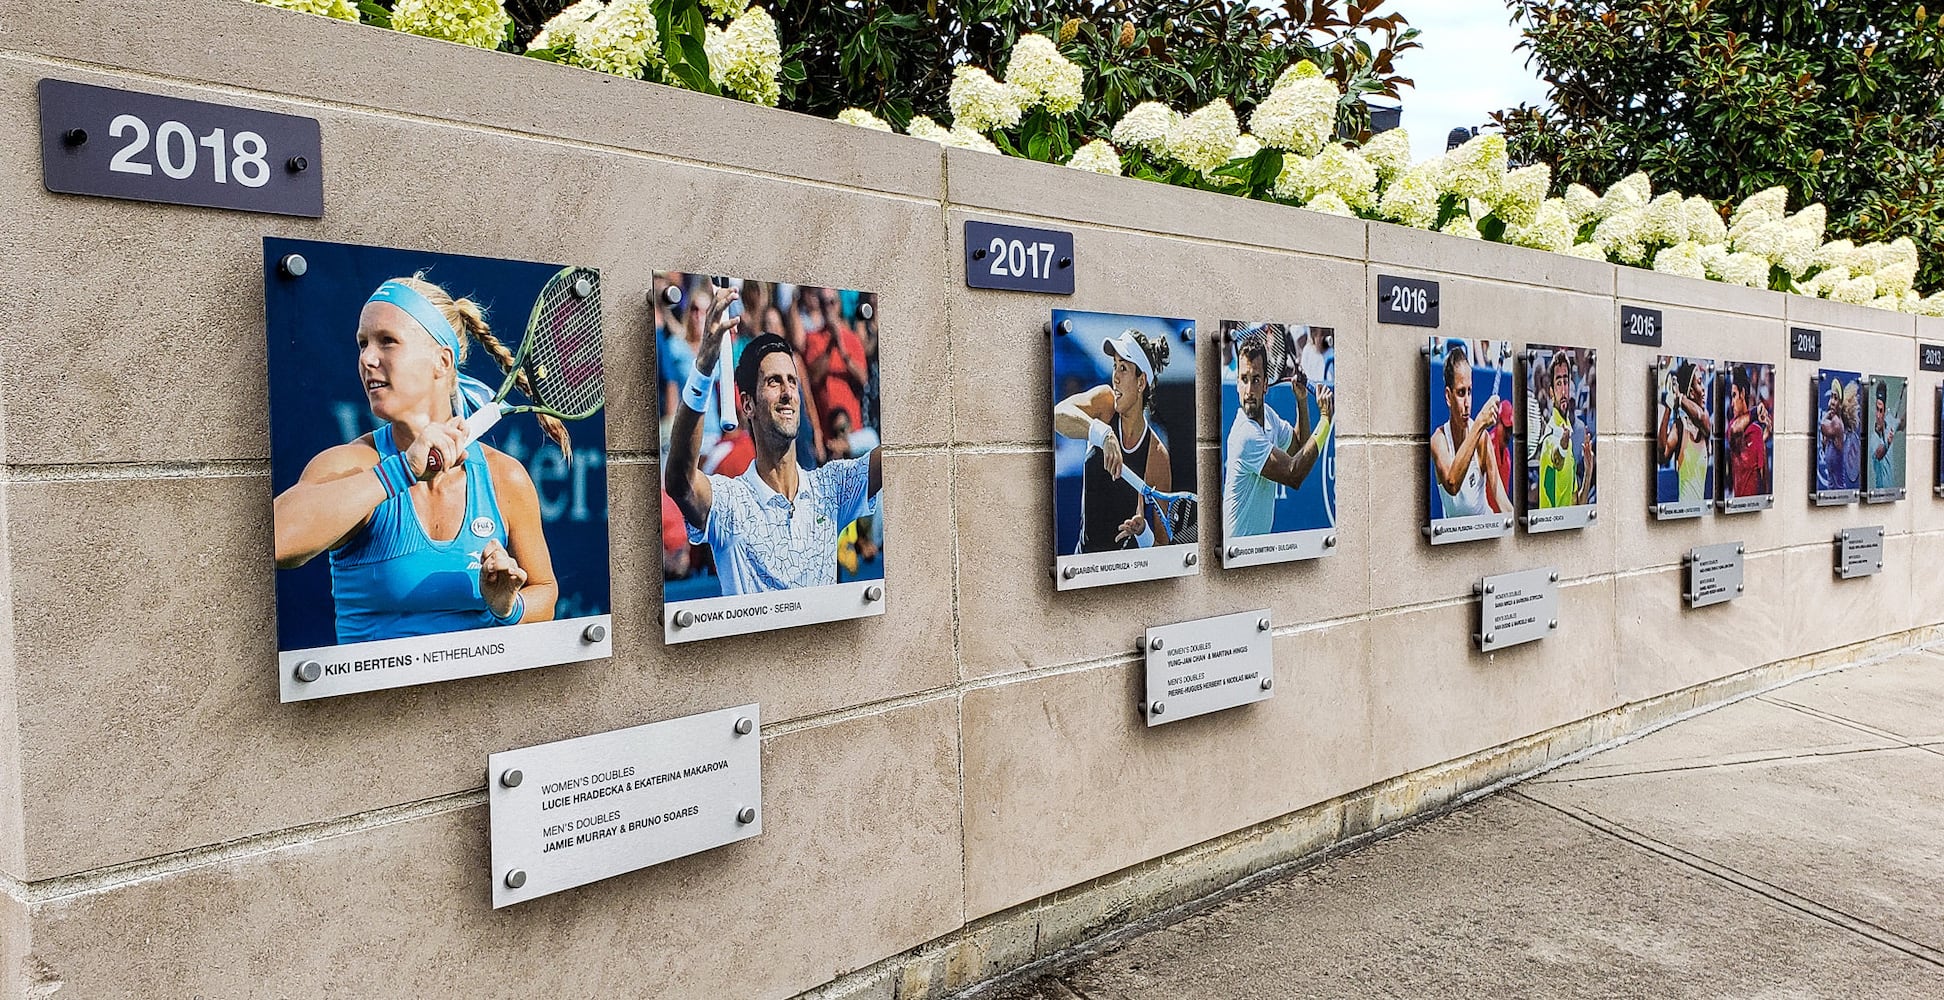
(947, 772)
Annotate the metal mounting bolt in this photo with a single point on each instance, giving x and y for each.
(297, 164)
(1262, 624)
(1592, 515)
(1552, 577)
(672, 295)
(1268, 682)
(75, 136)
(292, 265)
(746, 815)
(874, 593)
(745, 726)
(683, 619)
(1489, 639)
(308, 671)
(865, 310)
(1190, 559)
(1066, 327)
(594, 633)
(1157, 708)
(511, 777)
(583, 288)
(1233, 551)
(1553, 623)
(979, 253)
(1491, 588)
(1156, 644)
(1329, 541)
(1066, 261)
(515, 879)
(1069, 573)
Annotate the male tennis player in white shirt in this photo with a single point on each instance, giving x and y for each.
(1258, 450)
(774, 527)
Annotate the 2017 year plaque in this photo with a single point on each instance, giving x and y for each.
(1203, 666)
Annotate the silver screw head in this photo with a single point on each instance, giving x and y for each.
(594, 633)
(1262, 624)
(1490, 639)
(1491, 588)
(683, 619)
(1738, 548)
(1554, 623)
(511, 777)
(1552, 577)
(1069, 573)
(1156, 644)
(1329, 541)
(583, 288)
(1233, 551)
(1157, 708)
(1507, 525)
(672, 295)
(1740, 587)
(1268, 682)
(308, 671)
(745, 726)
(746, 815)
(1437, 529)
(293, 265)
(1190, 559)
(874, 593)
(866, 310)
(1066, 327)
(1592, 515)
(515, 879)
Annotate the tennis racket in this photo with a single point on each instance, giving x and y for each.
(558, 366)
(1280, 359)
(1179, 512)
(725, 366)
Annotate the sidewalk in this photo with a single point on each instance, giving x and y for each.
(1786, 846)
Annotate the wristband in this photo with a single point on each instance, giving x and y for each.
(1146, 538)
(514, 615)
(1321, 434)
(700, 386)
(1096, 433)
(396, 475)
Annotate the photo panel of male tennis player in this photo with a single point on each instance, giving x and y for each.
(1470, 423)
(1886, 413)
(770, 458)
(1836, 437)
(438, 461)
(1748, 409)
(1561, 428)
(1124, 499)
(1278, 448)
(1683, 438)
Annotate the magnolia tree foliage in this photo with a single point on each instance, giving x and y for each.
(1839, 101)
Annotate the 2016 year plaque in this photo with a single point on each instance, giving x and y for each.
(577, 811)
(1198, 667)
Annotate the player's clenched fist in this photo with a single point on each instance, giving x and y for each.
(500, 578)
(441, 438)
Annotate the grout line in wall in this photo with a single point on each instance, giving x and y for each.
(92, 471)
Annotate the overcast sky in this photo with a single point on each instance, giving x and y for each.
(1465, 71)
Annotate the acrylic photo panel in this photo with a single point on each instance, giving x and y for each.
(1279, 399)
(1836, 437)
(1748, 408)
(1125, 503)
(1686, 419)
(770, 455)
(1470, 420)
(428, 526)
(1561, 428)
(1886, 417)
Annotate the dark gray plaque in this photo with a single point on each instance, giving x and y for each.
(1407, 301)
(577, 811)
(1203, 666)
(1805, 344)
(1859, 552)
(1930, 357)
(1714, 574)
(146, 147)
(1641, 327)
(1517, 607)
(1018, 258)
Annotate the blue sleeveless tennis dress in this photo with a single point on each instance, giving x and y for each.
(392, 580)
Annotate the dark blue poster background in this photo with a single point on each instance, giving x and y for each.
(317, 401)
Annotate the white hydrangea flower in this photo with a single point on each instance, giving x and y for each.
(1764, 206)
(1824, 281)
(1389, 152)
(1303, 70)
(479, 23)
(961, 137)
(1583, 205)
(1786, 242)
(1894, 303)
(1551, 228)
(1619, 198)
(1043, 76)
(1802, 235)
(1329, 203)
(1520, 194)
(1475, 169)
(1664, 221)
(1931, 305)
(863, 119)
(1345, 173)
(1299, 117)
(981, 103)
(1412, 199)
(724, 9)
(1682, 258)
(1641, 186)
(1895, 279)
(1586, 251)
(1836, 253)
(1203, 140)
(1856, 291)
(1246, 146)
(1146, 126)
(1704, 225)
(342, 10)
(621, 39)
(563, 28)
(1296, 182)
(922, 127)
(1869, 257)
(1903, 251)
(1619, 234)
(1099, 156)
(1814, 217)
(1751, 270)
(746, 57)
(1462, 226)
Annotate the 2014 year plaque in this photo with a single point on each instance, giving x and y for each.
(1516, 607)
(576, 811)
(1203, 666)
(1714, 574)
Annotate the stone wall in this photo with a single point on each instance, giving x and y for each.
(167, 828)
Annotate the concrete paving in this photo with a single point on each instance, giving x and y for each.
(1786, 846)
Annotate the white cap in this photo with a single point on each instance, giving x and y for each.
(1129, 350)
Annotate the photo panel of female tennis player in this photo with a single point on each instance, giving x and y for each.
(1561, 428)
(1683, 438)
(770, 458)
(1886, 412)
(438, 460)
(1470, 422)
(1124, 500)
(1748, 408)
(1278, 451)
(1837, 437)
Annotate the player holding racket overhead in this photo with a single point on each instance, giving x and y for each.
(1470, 480)
(1113, 419)
(775, 527)
(1687, 427)
(418, 549)
(1259, 449)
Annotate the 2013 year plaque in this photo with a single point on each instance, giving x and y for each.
(576, 811)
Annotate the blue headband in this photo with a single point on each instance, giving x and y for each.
(470, 392)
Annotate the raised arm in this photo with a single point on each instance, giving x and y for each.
(683, 477)
(1084, 416)
(1291, 467)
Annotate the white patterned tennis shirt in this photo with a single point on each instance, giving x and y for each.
(764, 541)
